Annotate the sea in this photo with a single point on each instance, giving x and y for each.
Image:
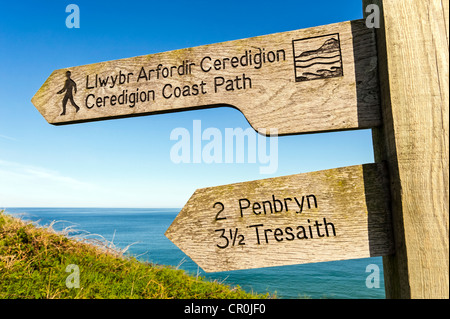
(141, 231)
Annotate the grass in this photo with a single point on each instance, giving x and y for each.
(33, 263)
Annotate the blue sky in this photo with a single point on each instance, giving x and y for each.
(126, 162)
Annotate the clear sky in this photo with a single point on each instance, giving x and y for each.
(126, 162)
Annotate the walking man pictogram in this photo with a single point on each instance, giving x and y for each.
(68, 87)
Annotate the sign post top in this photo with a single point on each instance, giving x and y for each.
(311, 80)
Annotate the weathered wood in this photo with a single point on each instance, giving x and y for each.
(311, 80)
(414, 64)
(328, 215)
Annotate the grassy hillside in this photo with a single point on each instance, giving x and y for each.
(33, 263)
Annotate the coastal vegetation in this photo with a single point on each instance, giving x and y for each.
(38, 262)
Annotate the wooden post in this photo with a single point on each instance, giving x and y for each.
(414, 81)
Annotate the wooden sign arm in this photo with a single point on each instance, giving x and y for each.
(336, 214)
(304, 81)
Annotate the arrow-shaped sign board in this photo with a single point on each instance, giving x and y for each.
(311, 80)
(321, 216)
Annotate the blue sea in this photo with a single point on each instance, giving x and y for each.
(144, 230)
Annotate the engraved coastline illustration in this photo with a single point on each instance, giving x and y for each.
(317, 58)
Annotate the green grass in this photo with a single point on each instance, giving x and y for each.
(33, 263)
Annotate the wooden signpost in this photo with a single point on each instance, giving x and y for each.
(328, 78)
(311, 80)
(413, 60)
(336, 214)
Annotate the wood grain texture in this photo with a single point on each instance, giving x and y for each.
(414, 65)
(272, 222)
(311, 80)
